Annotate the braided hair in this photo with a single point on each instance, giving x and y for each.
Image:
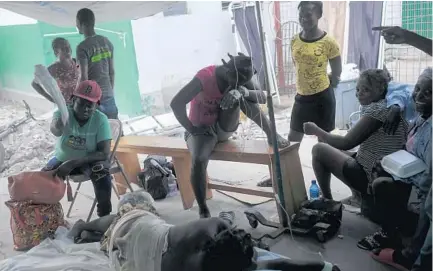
(231, 250)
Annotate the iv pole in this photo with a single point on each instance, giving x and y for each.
(277, 164)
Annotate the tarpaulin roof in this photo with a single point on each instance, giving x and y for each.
(64, 13)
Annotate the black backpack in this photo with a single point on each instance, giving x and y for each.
(320, 217)
(155, 176)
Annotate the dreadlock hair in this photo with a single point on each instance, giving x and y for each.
(318, 6)
(59, 43)
(231, 250)
(377, 79)
(86, 16)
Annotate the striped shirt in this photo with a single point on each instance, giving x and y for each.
(379, 144)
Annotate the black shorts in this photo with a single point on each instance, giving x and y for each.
(318, 108)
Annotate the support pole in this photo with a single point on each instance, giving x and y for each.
(277, 165)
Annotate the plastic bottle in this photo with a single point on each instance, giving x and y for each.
(314, 190)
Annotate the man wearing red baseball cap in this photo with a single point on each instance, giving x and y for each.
(83, 145)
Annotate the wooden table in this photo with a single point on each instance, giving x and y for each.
(245, 151)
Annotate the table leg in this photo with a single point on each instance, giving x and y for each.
(182, 165)
(131, 166)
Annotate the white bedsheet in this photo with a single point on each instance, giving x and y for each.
(60, 254)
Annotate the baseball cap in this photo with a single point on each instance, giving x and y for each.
(89, 90)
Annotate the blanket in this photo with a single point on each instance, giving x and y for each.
(60, 254)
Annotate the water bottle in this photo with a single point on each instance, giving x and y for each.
(314, 190)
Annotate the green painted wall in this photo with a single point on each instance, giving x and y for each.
(20, 51)
(23, 46)
(417, 16)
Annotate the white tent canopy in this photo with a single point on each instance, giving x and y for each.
(64, 13)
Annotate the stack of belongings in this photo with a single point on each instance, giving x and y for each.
(35, 207)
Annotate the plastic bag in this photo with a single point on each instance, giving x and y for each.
(38, 186)
(47, 82)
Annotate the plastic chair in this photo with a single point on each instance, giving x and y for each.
(116, 167)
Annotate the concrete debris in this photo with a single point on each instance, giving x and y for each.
(29, 147)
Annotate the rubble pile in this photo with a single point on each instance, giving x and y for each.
(29, 147)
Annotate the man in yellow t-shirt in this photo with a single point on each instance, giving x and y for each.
(312, 49)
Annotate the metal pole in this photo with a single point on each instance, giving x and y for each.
(277, 168)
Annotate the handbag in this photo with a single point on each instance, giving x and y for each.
(32, 223)
(37, 186)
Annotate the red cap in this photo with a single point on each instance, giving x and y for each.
(89, 90)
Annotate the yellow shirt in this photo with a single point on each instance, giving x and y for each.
(311, 62)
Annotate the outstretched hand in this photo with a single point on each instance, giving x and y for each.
(65, 169)
(392, 34)
(230, 99)
(310, 128)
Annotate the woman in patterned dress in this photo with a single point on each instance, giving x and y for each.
(65, 71)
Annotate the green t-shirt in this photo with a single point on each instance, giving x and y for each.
(77, 141)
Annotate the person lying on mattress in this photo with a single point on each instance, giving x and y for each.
(137, 239)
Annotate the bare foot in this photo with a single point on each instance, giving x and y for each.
(76, 229)
(204, 213)
(281, 142)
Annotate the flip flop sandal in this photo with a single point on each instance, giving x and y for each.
(385, 256)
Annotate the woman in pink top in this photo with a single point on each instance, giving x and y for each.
(217, 95)
(65, 71)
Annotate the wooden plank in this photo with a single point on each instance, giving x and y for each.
(255, 191)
